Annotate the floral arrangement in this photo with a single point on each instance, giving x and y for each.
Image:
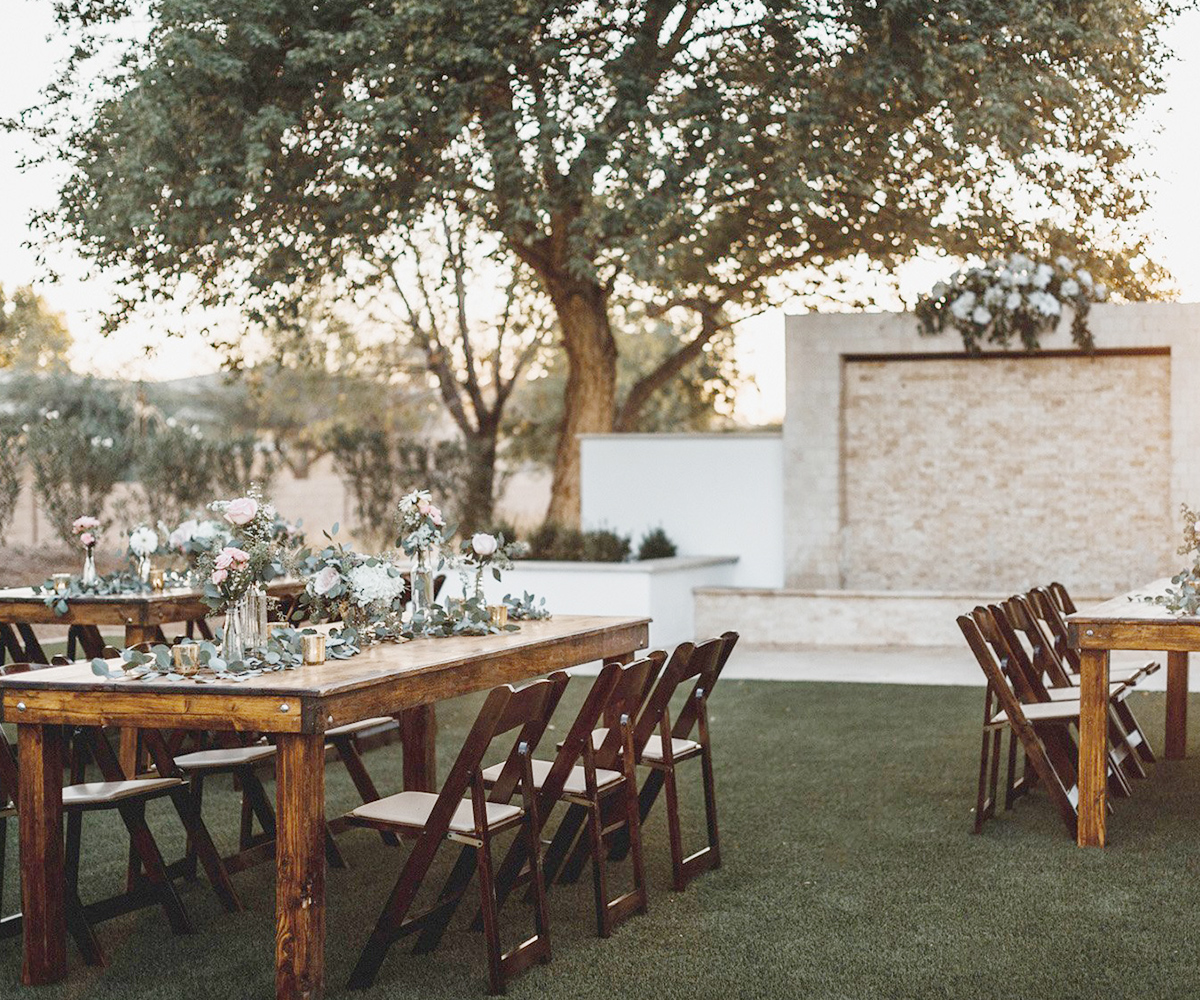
(1184, 598)
(195, 536)
(482, 552)
(86, 529)
(365, 591)
(422, 527)
(1012, 297)
(250, 556)
(143, 542)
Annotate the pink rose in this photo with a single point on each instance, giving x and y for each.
(435, 516)
(87, 539)
(241, 511)
(85, 523)
(324, 581)
(231, 557)
(424, 506)
(220, 576)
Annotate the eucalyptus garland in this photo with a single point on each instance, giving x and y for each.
(115, 584)
(1184, 598)
(283, 651)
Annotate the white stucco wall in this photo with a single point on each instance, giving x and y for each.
(713, 494)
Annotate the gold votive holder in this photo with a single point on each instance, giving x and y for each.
(186, 657)
(498, 613)
(62, 582)
(158, 579)
(313, 648)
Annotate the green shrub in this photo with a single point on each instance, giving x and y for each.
(177, 472)
(555, 542)
(12, 455)
(605, 546)
(656, 545)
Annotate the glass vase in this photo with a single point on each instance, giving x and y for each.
(143, 570)
(422, 583)
(233, 641)
(89, 575)
(245, 624)
(256, 616)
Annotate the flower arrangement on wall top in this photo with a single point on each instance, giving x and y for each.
(1015, 297)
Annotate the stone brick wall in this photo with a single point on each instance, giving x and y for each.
(976, 475)
(911, 467)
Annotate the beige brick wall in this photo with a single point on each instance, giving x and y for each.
(994, 474)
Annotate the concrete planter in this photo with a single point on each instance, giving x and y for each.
(660, 589)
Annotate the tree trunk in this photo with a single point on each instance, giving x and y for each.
(589, 401)
(479, 503)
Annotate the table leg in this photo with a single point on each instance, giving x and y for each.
(128, 750)
(1093, 746)
(1177, 704)
(300, 867)
(39, 807)
(418, 735)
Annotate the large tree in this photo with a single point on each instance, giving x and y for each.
(697, 149)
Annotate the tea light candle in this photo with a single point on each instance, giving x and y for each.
(186, 657)
(314, 648)
(498, 613)
(158, 579)
(62, 581)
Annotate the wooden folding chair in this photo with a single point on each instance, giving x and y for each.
(1028, 683)
(474, 822)
(661, 746)
(128, 797)
(607, 774)
(1041, 728)
(1053, 672)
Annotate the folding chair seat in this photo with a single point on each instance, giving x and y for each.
(113, 792)
(600, 792)
(704, 663)
(432, 819)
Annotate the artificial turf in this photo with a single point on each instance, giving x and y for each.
(849, 872)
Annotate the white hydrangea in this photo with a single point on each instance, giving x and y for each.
(1045, 303)
(369, 584)
(962, 306)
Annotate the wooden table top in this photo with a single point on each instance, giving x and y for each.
(1127, 622)
(147, 607)
(383, 679)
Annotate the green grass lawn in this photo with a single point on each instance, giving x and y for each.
(849, 872)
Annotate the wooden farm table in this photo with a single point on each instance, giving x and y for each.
(1123, 623)
(296, 707)
(141, 614)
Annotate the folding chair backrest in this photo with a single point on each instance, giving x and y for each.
(1008, 653)
(527, 709)
(1045, 607)
(702, 662)
(1062, 599)
(1045, 658)
(628, 694)
(998, 677)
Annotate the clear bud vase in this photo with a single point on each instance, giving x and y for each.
(256, 616)
(89, 575)
(143, 570)
(422, 583)
(233, 641)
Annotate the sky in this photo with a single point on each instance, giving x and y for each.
(30, 52)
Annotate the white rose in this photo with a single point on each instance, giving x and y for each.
(325, 580)
(484, 545)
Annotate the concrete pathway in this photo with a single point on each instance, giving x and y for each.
(938, 665)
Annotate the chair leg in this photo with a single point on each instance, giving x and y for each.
(197, 807)
(456, 884)
(201, 848)
(712, 857)
(390, 918)
(134, 816)
(347, 749)
(1010, 784)
(633, 825)
(599, 870)
(81, 930)
(674, 834)
(491, 931)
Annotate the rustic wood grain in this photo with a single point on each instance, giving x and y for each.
(40, 755)
(1177, 705)
(1093, 741)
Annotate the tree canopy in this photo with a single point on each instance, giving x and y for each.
(32, 336)
(691, 151)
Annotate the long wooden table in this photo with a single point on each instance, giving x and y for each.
(1125, 622)
(140, 614)
(296, 707)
